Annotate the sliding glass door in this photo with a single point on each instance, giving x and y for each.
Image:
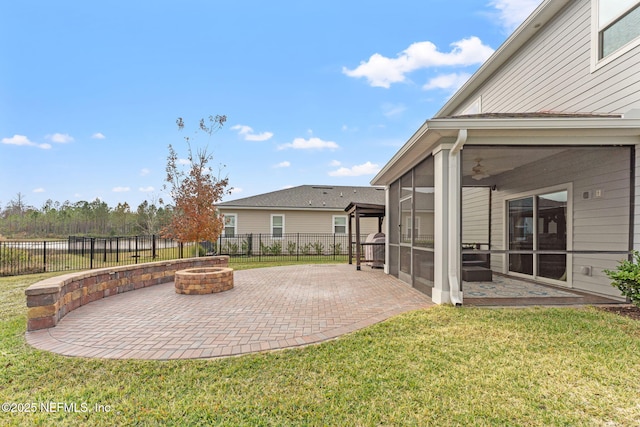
(538, 223)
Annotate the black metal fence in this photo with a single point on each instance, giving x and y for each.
(288, 245)
(83, 253)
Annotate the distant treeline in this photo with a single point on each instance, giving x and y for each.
(54, 219)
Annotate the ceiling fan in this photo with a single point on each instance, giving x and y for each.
(479, 171)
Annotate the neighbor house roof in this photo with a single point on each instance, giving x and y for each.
(310, 197)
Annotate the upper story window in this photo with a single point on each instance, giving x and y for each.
(230, 225)
(277, 225)
(618, 26)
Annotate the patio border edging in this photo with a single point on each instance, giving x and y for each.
(51, 299)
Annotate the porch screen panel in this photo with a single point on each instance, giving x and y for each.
(406, 221)
(424, 219)
(393, 213)
(424, 203)
(405, 259)
(521, 235)
(552, 235)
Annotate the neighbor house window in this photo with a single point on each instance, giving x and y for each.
(230, 225)
(618, 25)
(339, 224)
(277, 225)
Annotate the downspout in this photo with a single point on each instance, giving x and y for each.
(454, 217)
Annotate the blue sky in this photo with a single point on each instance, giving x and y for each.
(315, 92)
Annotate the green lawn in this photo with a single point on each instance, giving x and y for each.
(443, 366)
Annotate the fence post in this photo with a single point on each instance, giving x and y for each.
(92, 249)
(117, 250)
(334, 246)
(297, 247)
(260, 243)
(153, 246)
(44, 256)
(136, 255)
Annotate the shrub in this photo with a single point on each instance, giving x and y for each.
(306, 249)
(264, 249)
(232, 248)
(336, 249)
(291, 248)
(276, 248)
(318, 247)
(626, 277)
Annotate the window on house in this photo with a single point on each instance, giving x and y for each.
(277, 225)
(230, 221)
(340, 224)
(618, 25)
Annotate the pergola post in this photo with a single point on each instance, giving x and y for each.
(350, 241)
(358, 247)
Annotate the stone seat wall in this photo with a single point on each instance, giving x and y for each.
(51, 299)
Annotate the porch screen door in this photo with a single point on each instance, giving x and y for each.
(539, 223)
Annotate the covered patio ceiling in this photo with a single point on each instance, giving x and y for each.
(504, 130)
(494, 161)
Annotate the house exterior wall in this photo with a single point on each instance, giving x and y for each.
(598, 223)
(259, 221)
(554, 72)
(475, 215)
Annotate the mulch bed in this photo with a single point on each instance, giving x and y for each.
(624, 310)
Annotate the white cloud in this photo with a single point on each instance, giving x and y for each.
(284, 164)
(512, 13)
(367, 168)
(391, 110)
(121, 189)
(184, 162)
(60, 138)
(249, 135)
(309, 144)
(346, 128)
(39, 190)
(381, 71)
(148, 189)
(144, 172)
(22, 140)
(447, 81)
(335, 163)
(98, 135)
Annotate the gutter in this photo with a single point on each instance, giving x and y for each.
(454, 216)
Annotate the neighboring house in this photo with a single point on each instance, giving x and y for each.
(318, 209)
(533, 161)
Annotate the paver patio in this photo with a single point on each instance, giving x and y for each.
(269, 308)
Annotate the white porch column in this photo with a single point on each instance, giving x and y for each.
(441, 293)
(386, 229)
(636, 207)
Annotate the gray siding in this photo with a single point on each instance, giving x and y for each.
(259, 221)
(552, 72)
(475, 215)
(597, 224)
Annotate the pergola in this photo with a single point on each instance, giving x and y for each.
(357, 211)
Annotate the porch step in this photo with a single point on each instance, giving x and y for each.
(476, 274)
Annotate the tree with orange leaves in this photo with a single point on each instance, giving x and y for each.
(195, 192)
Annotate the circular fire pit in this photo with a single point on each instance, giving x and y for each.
(204, 280)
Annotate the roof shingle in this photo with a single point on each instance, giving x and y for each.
(311, 197)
